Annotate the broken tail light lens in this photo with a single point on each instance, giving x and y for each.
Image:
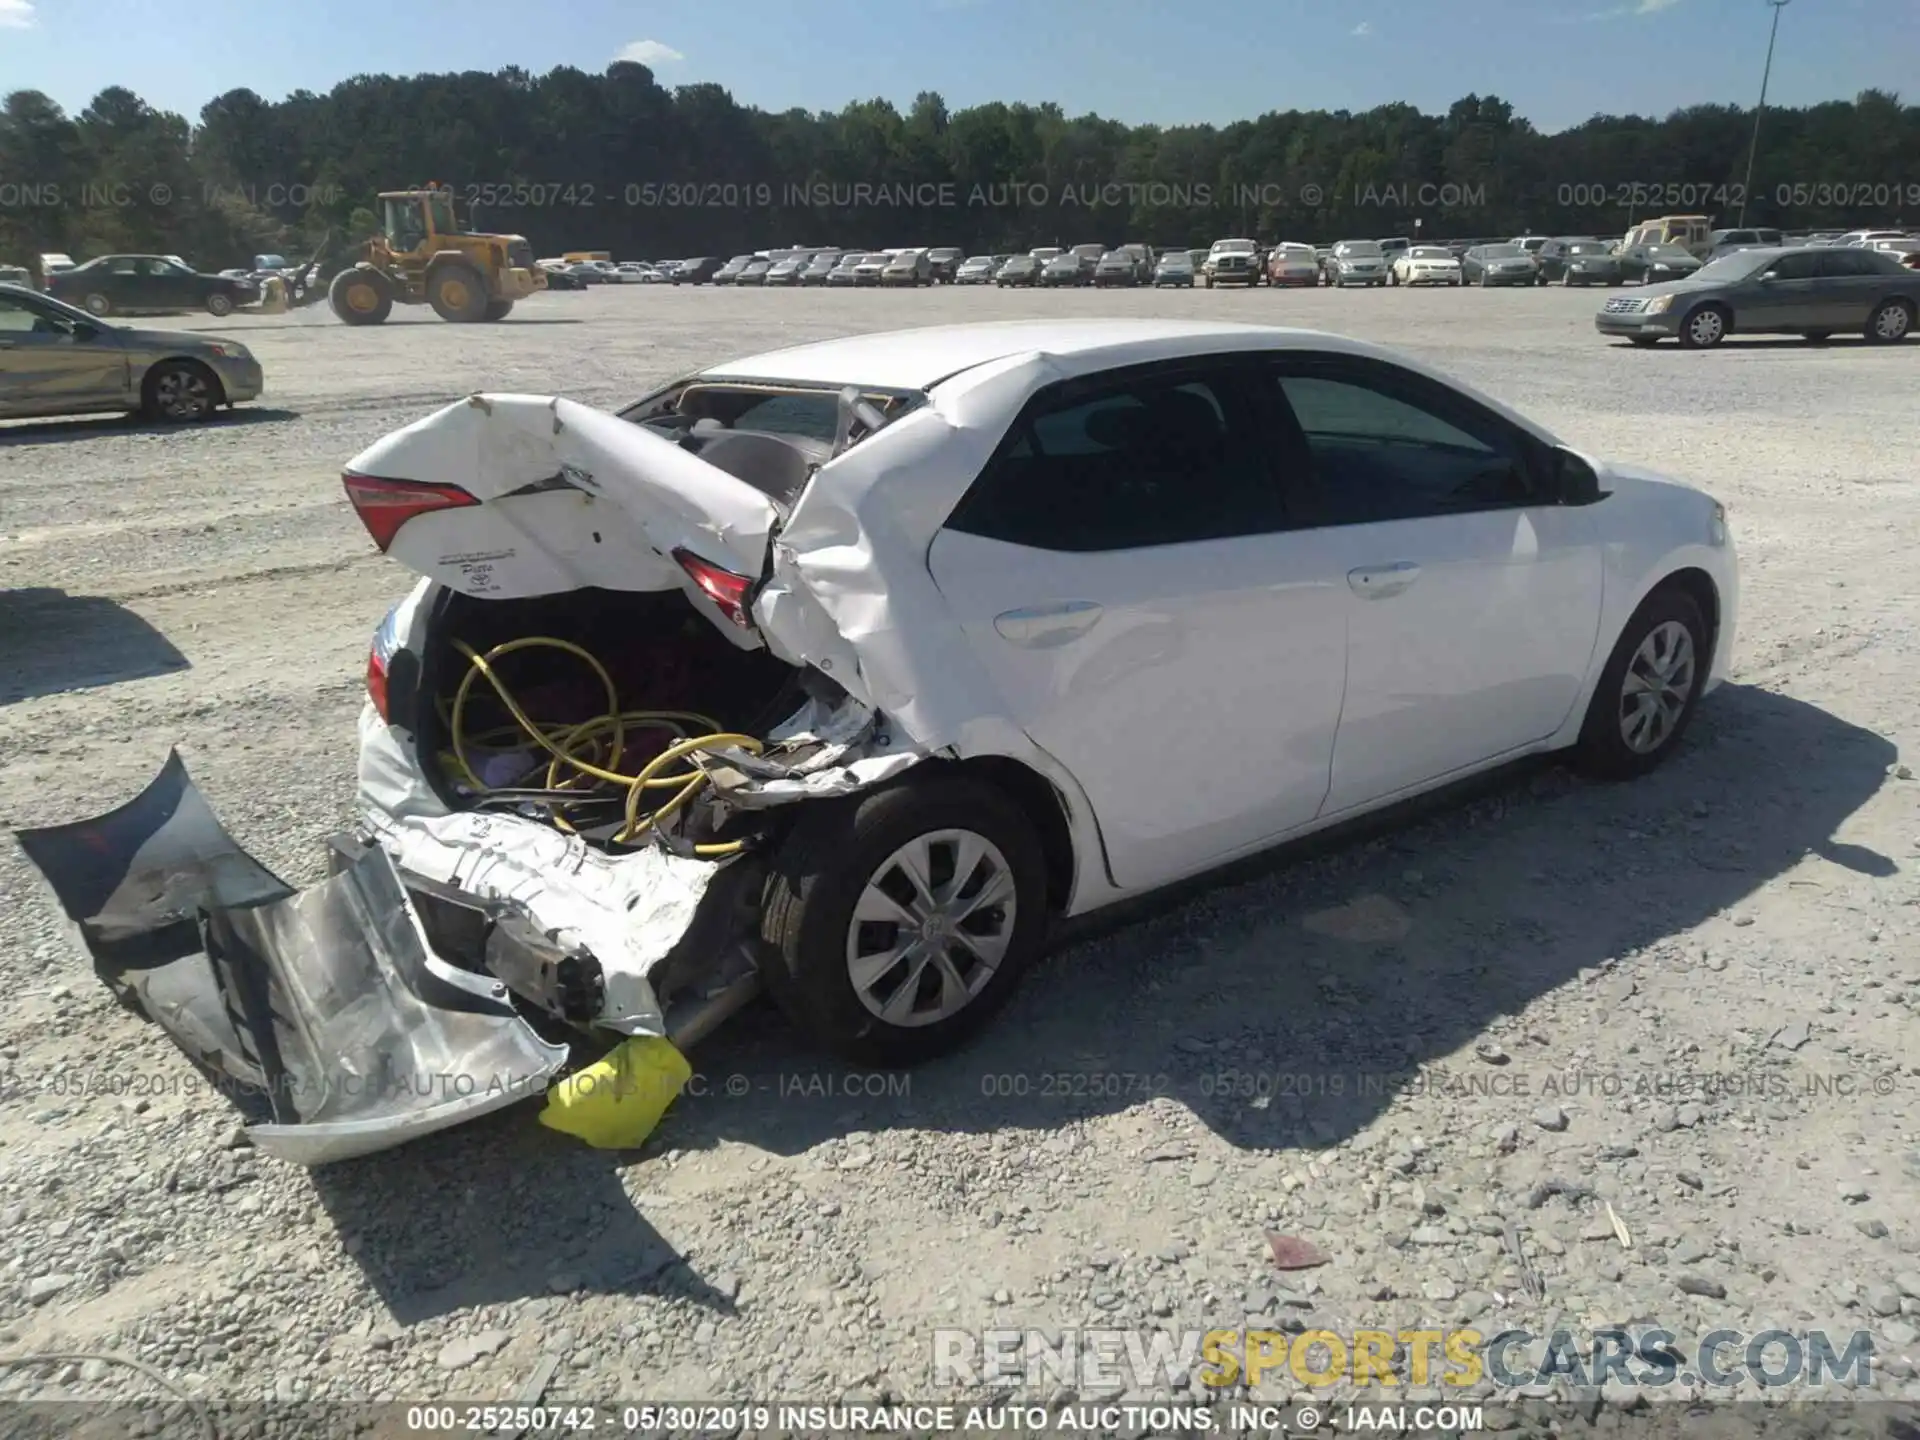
(385, 505)
(725, 589)
(386, 640)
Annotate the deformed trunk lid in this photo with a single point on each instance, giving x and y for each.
(569, 497)
(324, 1012)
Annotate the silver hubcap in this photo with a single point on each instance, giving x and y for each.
(931, 927)
(1658, 683)
(181, 394)
(1706, 326)
(97, 304)
(1891, 323)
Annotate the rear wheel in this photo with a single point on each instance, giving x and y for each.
(900, 920)
(457, 294)
(499, 309)
(178, 390)
(1704, 328)
(1648, 692)
(360, 297)
(1890, 323)
(98, 304)
(219, 304)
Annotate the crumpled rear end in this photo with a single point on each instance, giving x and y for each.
(324, 1013)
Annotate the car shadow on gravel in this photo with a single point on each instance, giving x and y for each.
(94, 427)
(52, 642)
(1288, 1001)
(496, 1211)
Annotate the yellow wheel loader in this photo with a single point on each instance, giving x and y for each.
(422, 257)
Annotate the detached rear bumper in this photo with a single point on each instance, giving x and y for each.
(325, 1013)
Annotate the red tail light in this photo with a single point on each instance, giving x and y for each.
(726, 589)
(385, 505)
(377, 682)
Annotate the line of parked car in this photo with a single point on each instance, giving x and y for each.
(1652, 253)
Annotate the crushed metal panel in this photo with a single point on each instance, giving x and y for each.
(132, 883)
(367, 1038)
(628, 910)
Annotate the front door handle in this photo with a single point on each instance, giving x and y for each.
(1041, 627)
(1377, 582)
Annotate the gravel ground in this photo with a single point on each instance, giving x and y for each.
(1391, 1047)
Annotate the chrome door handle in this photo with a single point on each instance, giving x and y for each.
(1377, 582)
(1041, 627)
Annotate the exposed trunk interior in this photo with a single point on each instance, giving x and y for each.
(661, 654)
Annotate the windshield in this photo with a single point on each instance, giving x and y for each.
(1176, 262)
(1297, 252)
(1591, 247)
(1234, 247)
(1429, 252)
(1669, 252)
(1357, 247)
(1502, 252)
(1737, 266)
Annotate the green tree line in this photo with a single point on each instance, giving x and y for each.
(617, 162)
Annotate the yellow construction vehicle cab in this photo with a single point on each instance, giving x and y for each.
(422, 257)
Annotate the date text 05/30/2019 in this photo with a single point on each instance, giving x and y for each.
(1008, 1419)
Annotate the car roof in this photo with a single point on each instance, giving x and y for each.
(916, 359)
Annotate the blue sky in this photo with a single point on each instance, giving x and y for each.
(1556, 61)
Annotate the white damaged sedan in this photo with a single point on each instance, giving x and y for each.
(850, 669)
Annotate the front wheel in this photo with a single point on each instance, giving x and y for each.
(1648, 692)
(899, 921)
(177, 390)
(219, 305)
(98, 304)
(1704, 329)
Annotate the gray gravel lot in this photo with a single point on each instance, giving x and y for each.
(1387, 1046)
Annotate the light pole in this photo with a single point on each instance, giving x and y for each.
(1753, 150)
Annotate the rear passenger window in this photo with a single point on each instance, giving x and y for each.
(1796, 267)
(1155, 461)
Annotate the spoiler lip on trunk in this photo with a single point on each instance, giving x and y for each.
(325, 1008)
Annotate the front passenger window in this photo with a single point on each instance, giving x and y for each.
(1383, 452)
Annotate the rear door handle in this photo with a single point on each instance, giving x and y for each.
(1377, 582)
(1041, 627)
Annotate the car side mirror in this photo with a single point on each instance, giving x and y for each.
(1768, 276)
(1575, 481)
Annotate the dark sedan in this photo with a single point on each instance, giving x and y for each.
(1803, 291)
(1067, 269)
(1019, 270)
(1650, 264)
(729, 273)
(1486, 265)
(1116, 267)
(698, 271)
(57, 360)
(943, 264)
(1581, 261)
(126, 283)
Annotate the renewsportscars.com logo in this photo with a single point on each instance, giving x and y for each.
(1649, 1358)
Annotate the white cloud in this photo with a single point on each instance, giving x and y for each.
(640, 52)
(16, 15)
(1363, 29)
(1640, 7)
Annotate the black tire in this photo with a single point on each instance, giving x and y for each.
(1704, 327)
(97, 304)
(1890, 323)
(458, 294)
(499, 309)
(360, 297)
(219, 304)
(180, 391)
(818, 876)
(1602, 750)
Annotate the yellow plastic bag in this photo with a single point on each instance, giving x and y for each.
(616, 1102)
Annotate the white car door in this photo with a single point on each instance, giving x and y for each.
(1473, 595)
(1124, 570)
